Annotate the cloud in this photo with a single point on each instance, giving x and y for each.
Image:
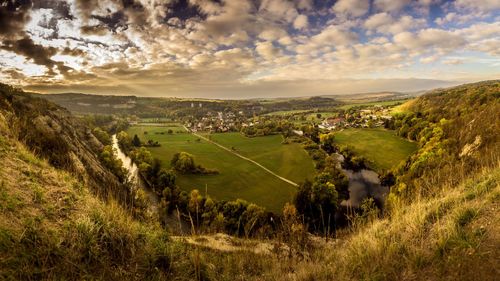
(453, 61)
(305, 4)
(301, 22)
(385, 23)
(199, 47)
(13, 17)
(478, 5)
(39, 54)
(355, 8)
(391, 5)
(267, 50)
(272, 33)
(429, 38)
(73, 52)
(279, 9)
(334, 35)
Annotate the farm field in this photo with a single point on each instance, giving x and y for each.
(289, 161)
(384, 103)
(383, 147)
(237, 178)
(288, 112)
(324, 114)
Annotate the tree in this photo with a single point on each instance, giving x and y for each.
(318, 202)
(328, 142)
(253, 218)
(232, 211)
(124, 141)
(166, 178)
(183, 162)
(136, 141)
(112, 163)
(295, 232)
(194, 206)
(102, 136)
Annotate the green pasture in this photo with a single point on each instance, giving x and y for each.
(381, 103)
(237, 178)
(288, 112)
(383, 147)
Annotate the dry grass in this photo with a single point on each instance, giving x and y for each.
(452, 236)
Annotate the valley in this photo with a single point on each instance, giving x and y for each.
(250, 140)
(237, 178)
(337, 185)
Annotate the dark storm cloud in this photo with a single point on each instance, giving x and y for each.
(61, 9)
(94, 29)
(73, 52)
(29, 49)
(13, 17)
(85, 7)
(183, 10)
(113, 21)
(14, 74)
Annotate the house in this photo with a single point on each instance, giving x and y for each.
(332, 121)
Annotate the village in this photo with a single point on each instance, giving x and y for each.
(358, 117)
(220, 122)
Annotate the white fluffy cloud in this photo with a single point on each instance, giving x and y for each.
(355, 8)
(391, 5)
(385, 23)
(267, 50)
(301, 22)
(430, 38)
(480, 5)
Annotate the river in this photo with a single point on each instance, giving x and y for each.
(135, 178)
(175, 225)
(363, 184)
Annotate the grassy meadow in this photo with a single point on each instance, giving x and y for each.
(381, 103)
(382, 147)
(237, 178)
(288, 112)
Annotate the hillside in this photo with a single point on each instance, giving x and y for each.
(457, 130)
(51, 132)
(52, 226)
(63, 214)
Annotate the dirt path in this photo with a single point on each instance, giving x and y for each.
(243, 157)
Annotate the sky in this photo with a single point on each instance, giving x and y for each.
(247, 48)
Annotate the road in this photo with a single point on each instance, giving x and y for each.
(243, 157)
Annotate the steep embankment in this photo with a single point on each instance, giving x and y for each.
(52, 133)
(457, 130)
(52, 226)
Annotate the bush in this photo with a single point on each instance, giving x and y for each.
(183, 162)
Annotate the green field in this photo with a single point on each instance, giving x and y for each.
(324, 115)
(238, 178)
(382, 147)
(288, 112)
(381, 103)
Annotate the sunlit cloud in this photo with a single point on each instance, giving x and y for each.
(246, 48)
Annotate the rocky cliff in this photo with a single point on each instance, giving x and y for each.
(51, 132)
